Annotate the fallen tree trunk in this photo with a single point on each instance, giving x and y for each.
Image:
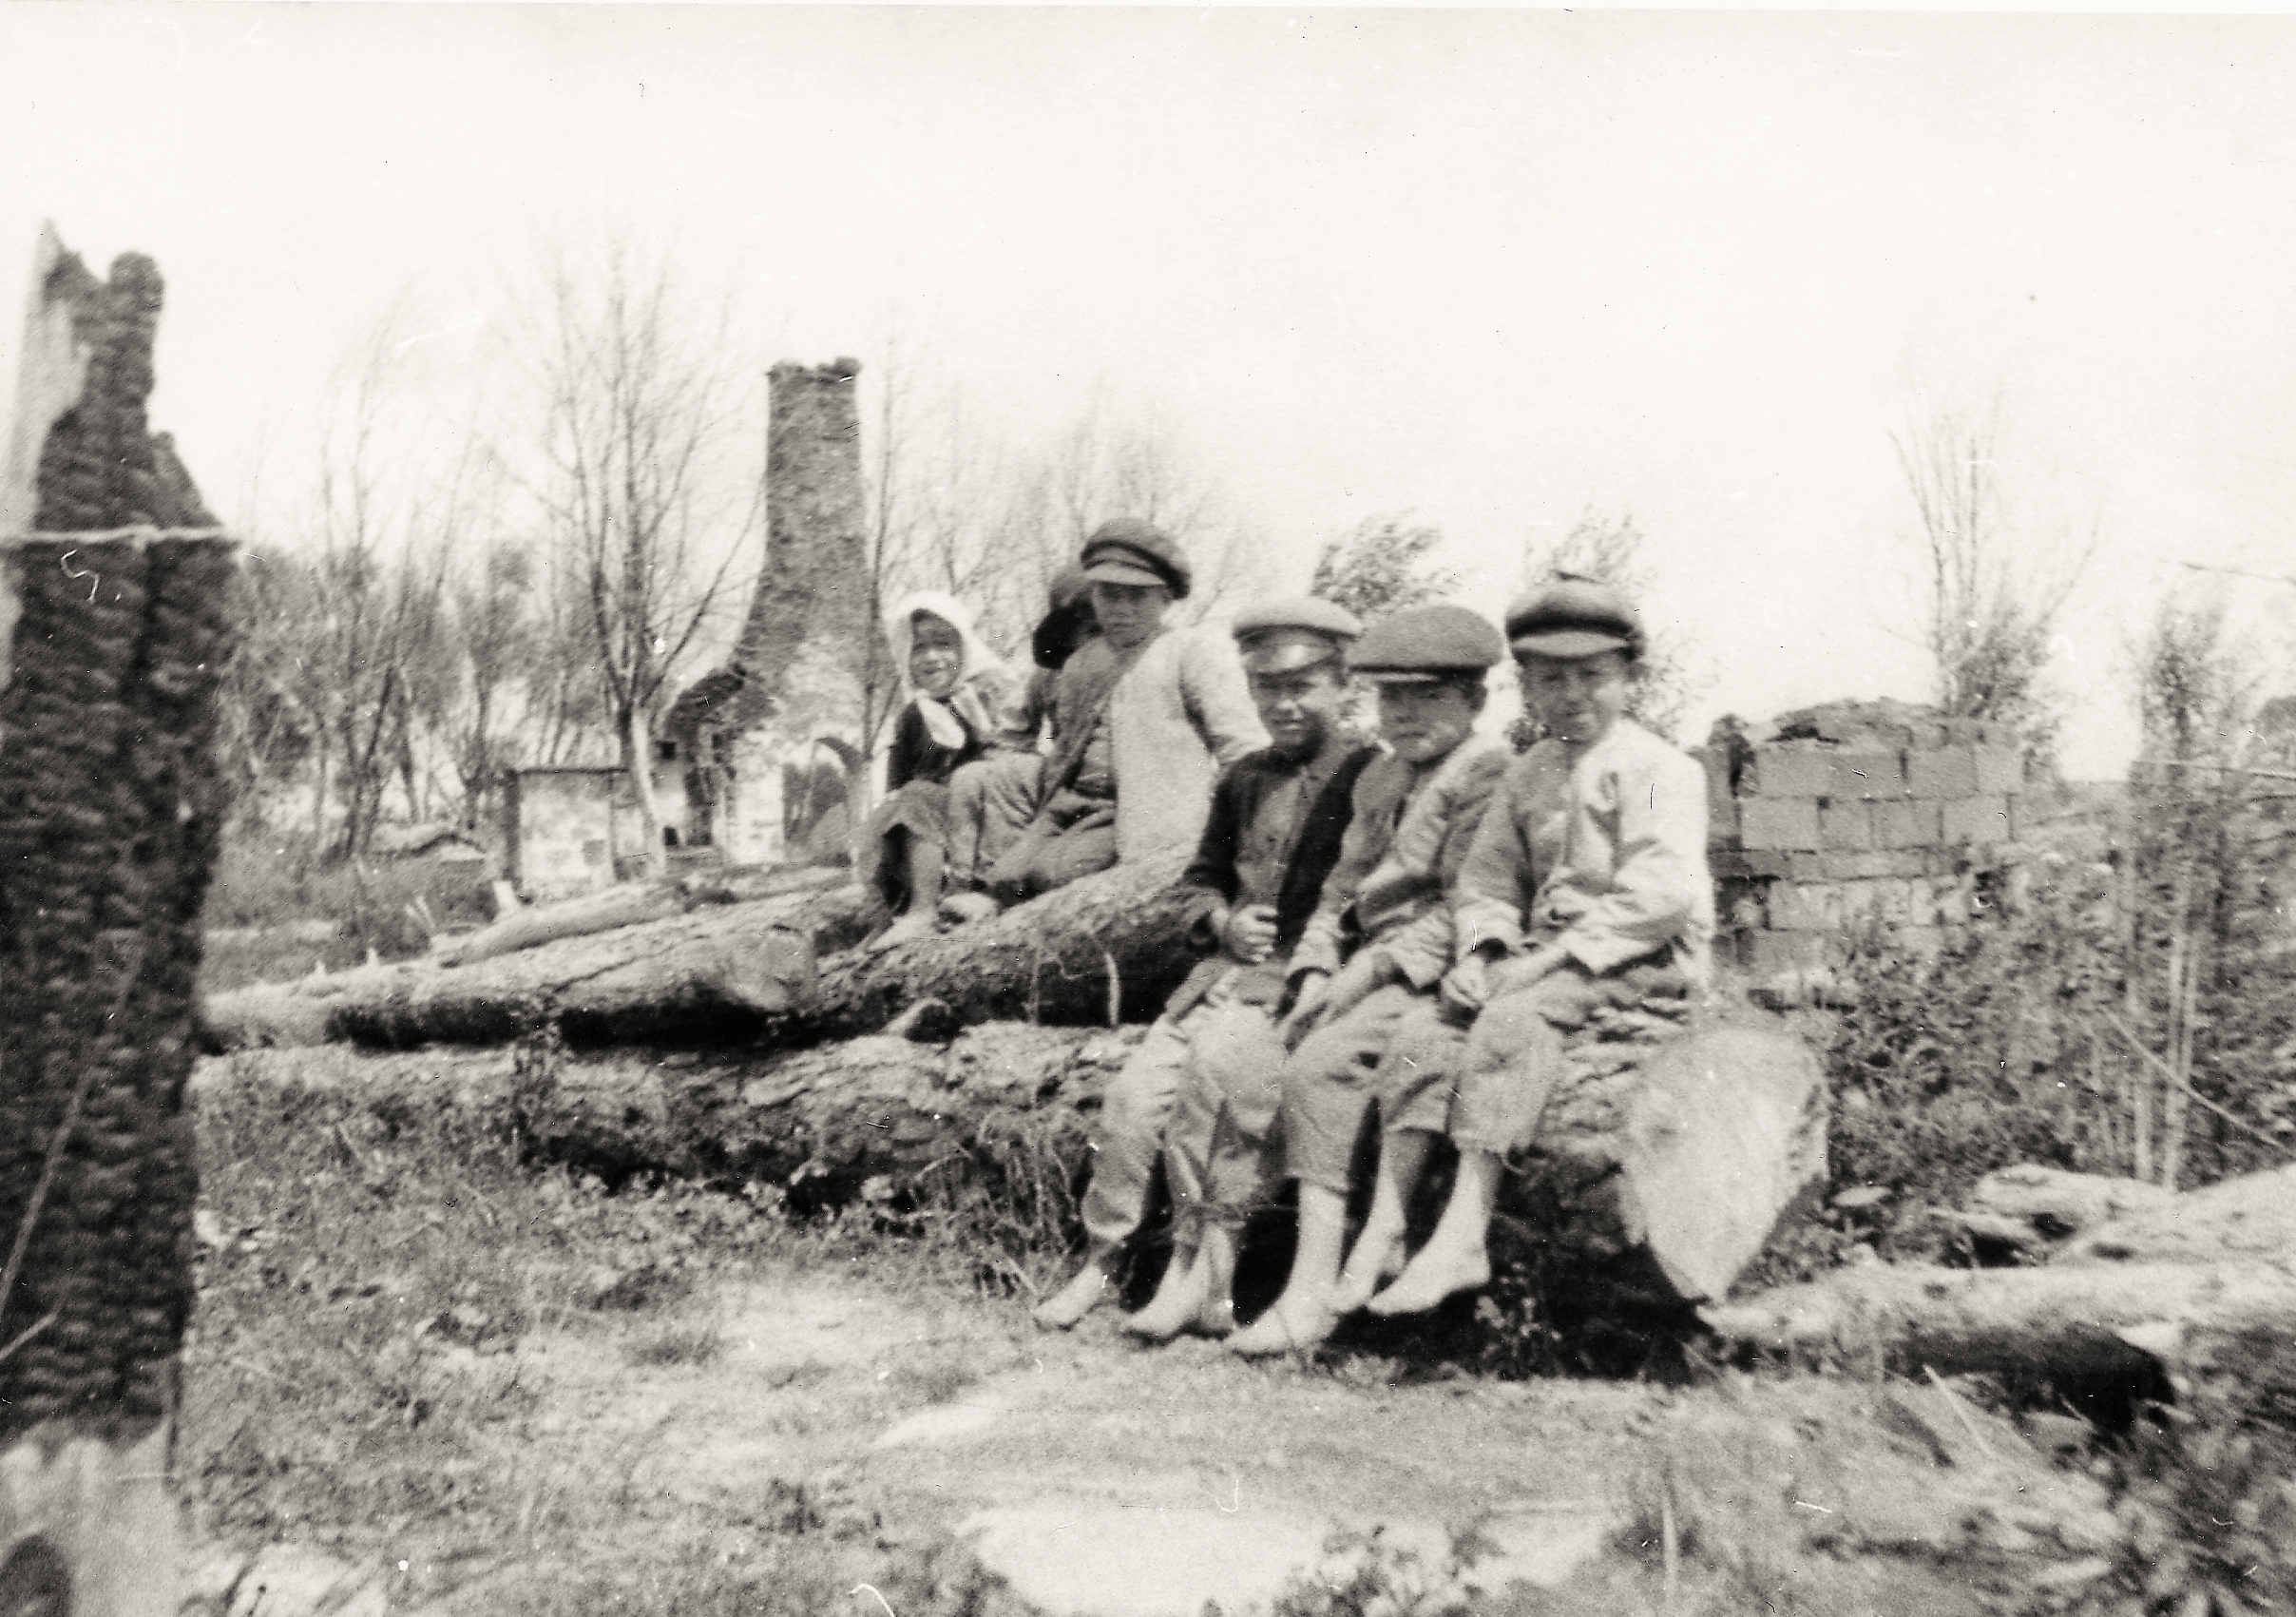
(632, 903)
(1105, 949)
(2084, 1324)
(2173, 1285)
(720, 973)
(1661, 1166)
(2028, 1211)
(820, 1124)
(1669, 1153)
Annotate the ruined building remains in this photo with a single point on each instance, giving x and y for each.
(739, 763)
(118, 614)
(1856, 815)
(795, 679)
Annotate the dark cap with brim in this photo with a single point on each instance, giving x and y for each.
(1128, 550)
(1571, 618)
(1115, 570)
(1300, 631)
(1425, 646)
(1567, 645)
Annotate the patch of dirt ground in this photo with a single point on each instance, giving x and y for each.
(1093, 1475)
(424, 1378)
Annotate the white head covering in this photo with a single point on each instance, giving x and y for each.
(974, 658)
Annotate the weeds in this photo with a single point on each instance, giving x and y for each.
(687, 1344)
(1366, 1574)
(276, 909)
(382, 1254)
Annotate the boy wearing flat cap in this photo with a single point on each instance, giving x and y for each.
(1586, 885)
(1385, 913)
(1148, 716)
(1196, 1090)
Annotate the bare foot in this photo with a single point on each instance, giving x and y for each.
(1377, 1259)
(1431, 1277)
(963, 908)
(1293, 1325)
(1215, 1318)
(908, 929)
(1177, 1303)
(1093, 1285)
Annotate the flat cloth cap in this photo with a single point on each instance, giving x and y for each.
(1422, 645)
(1296, 632)
(1574, 617)
(1128, 550)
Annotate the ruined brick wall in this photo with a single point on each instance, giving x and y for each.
(814, 594)
(797, 672)
(1854, 815)
(111, 807)
(101, 466)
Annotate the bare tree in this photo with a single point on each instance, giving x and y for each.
(374, 596)
(639, 413)
(1989, 622)
(954, 508)
(1100, 470)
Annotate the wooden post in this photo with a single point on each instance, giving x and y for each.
(114, 625)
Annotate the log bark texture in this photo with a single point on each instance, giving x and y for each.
(718, 973)
(2171, 1286)
(632, 903)
(1107, 949)
(1631, 1152)
(1106, 946)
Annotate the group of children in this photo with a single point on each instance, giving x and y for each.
(1404, 930)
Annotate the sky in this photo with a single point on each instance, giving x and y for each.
(1491, 268)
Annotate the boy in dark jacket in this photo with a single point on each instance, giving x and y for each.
(1198, 1089)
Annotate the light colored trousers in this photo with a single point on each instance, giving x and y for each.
(1201, 1092)
(1486, 1085)
(990, 802)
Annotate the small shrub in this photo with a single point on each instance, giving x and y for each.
(1942, 1071)
(2208, 1503)
(1365, 1574)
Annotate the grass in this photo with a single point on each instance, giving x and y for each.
(385, 1290)
(354, 1375)
(276, 909)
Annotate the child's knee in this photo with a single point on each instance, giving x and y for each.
(1508, 1030)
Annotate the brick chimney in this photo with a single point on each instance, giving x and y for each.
(797, 673)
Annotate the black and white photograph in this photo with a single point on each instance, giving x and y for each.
(1146, 811)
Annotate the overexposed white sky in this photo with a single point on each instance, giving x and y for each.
(1491, 267)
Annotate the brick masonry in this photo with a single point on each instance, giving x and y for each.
(1855, 816)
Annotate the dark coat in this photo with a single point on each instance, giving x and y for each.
(1210, 882)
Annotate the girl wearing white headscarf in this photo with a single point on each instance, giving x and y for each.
(955, 684)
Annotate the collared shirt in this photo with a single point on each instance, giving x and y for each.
(1602, 852)
(1406, 839)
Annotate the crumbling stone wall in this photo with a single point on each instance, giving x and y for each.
(796, 674)
(116, 620)
(101, 466)
(1855, 815)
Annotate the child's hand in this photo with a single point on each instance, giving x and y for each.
(1465, 987)
(1250, 935)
